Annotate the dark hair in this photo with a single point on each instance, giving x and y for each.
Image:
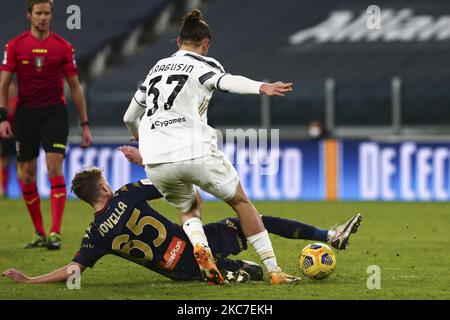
(85, 184)
(31, 3)
(194, 28)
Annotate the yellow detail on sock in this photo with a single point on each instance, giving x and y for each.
(59, 146)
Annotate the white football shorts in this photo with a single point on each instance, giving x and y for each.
(176, 181)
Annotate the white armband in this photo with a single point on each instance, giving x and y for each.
(238, 84)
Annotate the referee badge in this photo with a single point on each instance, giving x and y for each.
(39, 62)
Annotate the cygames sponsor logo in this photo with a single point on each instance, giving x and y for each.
(167, 123)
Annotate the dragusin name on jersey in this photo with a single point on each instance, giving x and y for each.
(173, 67)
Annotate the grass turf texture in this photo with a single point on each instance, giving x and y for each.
(408, 241)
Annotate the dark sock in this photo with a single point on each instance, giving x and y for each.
(5, 180)
(292, 229)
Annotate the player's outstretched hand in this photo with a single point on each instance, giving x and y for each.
(16, 275)
(86, 137)
(132, 154)
(5, 130)
(275, 89)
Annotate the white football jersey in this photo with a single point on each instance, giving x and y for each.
(176, 95)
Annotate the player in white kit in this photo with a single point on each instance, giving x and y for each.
(179, 148)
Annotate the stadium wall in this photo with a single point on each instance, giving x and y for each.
(299, 170)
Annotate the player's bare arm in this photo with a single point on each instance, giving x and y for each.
(59, 275)
(5, 127)
(80, 103)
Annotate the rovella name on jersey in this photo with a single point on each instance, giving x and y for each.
(113, 219)
(182, 67)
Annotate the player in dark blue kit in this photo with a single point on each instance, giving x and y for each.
(128, 227)
(125, 225)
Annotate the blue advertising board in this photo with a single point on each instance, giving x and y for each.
(406, 171)
(297, 170)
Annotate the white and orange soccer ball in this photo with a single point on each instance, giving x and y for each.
(317, 261)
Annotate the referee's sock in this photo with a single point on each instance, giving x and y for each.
(58, 195)
(33, 202)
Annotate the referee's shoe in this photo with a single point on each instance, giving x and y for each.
(38, 241)
(54, 241)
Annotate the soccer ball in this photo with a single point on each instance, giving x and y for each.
(317, 261)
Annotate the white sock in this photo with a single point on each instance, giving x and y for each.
(193, 228)
(331, 235)
(263, 247)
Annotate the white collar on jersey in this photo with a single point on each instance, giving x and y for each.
(183, 52)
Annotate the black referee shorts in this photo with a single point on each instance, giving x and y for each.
(48, 126)
(7, 148)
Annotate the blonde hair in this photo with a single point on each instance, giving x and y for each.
(85, 184)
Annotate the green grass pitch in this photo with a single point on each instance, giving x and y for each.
(408, 241)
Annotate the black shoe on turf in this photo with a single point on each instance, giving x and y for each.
(239, 276)
(54, 241)
(38, 241)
